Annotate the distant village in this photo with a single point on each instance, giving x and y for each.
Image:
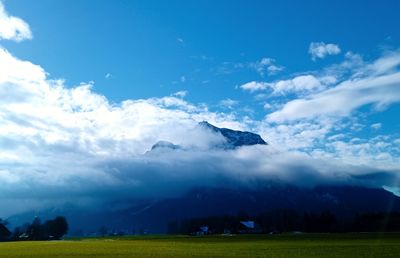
(284, 221)
(273, 222)
(53, 229)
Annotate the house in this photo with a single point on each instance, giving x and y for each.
(248, 227)
(203, 230)
(23, 236)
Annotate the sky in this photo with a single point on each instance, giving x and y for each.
(87, 87)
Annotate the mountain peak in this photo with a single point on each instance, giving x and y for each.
(165, 145)
(206, 124)
(234, 138)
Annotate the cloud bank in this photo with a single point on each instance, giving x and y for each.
(69, 144)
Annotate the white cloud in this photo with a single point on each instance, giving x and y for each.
(16, 71)
(267, 106)
(376, 126)
(298, 85)
(296, 136)
(321, 50)
(343, 99)
(302, 83)
(13, 28)
(255, 86)
(228, 103)
(108, 76)
(323, 124)
(365, 152)
(266, 66)
(181, 94)
(380, 89)
(387, 64)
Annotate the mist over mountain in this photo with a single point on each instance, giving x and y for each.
(228, 178)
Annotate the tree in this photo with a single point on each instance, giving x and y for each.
(103, 230)
(173, 227)
(51, 229)
(36, 230)
(4, 232)
(56, 228)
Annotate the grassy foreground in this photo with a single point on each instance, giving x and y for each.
(307, 245)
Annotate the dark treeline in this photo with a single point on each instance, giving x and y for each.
(290, 221)
(49, 230)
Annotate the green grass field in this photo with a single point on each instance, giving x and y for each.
(304, 245)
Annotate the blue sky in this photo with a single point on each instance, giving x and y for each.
(138, 42)
(98, 82)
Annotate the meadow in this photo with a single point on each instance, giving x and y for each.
(284, 245)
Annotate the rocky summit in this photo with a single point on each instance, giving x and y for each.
(234, 138)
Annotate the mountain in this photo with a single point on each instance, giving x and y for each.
(234, 138)
(154, 215)
(343, 201)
